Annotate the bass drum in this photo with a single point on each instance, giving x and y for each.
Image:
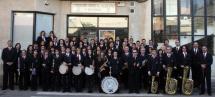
(63, 69)
(109, 85)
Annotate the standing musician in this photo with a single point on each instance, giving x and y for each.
(46, 68)
(66, 78)
(24, 71)
(206, 62)
(168, 61)
(34, 68)
(154, 68)
(134, 68)
(101, 66)
(78, 79)
(89, 62)
(115, 65)
(195, 64)
(185, 60)
(8, 57)
(18, 54)
(126, 56)
(142, 58)
(56, 76)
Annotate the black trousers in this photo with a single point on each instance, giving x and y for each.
(134, 80)
(79, 82)
(23, 80)
(206, 75)
(65, 82)
(90, 82)
(45, 79)
(195, 74)
(55, 81)
(34, 82)
(8, 76)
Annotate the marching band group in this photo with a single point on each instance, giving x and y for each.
(64, 64)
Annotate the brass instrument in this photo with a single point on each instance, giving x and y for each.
(154, 85)
(171, 83)
(102, 68)
(187, 84)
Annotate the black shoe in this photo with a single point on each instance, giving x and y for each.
(201, 93)
(149, 92)
(11, 88)
(90, 91)
(4, 89)
(209, 94)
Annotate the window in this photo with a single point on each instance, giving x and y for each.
(211, 7)
(185, 25)
(89, 26)
(210, 25)
(198, 7)
(158, 7)
(171, 7)
(171, 25)
(185, 7)
(199, 26)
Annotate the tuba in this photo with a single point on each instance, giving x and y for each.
(154, 85)
(171, 83)
(187, 84)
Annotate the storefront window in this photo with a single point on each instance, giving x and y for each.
(82, 21)
(185, 39)
(115, 22)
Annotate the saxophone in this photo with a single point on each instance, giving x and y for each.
(187, 84)
(154, 85)
(171, 83)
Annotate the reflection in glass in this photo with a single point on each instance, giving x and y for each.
(211, 7)
(158, 7)
(185, 7)
(185, 26)
(185, 40)
(82, 21)
(198, 38)
(198, 7)
(199, 26)
(158, 26)
(211, 25)
(171, 7)
(113, 22)
(171, 25)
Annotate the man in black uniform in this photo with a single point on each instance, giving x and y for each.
(142, 58)
(8, 57)
(206, 62)
(195, 64)
(24, 71)
(134, 68)
(153, 69)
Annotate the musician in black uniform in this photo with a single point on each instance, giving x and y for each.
(34, 70)
(154, 68)
(185, 60)
(142, 58)
(46, 68)
(18, 54)
(8, 57)
(126, 56)
(66, 78)
(115, 65)
(168, 61)
(24, 71)
(206, 62)
(195, 64)
(89, 62)
(134, 70)
(55, 74)
(78, 79)
(176, 51)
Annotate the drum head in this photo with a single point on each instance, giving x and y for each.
(76, 70)
(88, 71)
(109, 85)
(63, 69)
